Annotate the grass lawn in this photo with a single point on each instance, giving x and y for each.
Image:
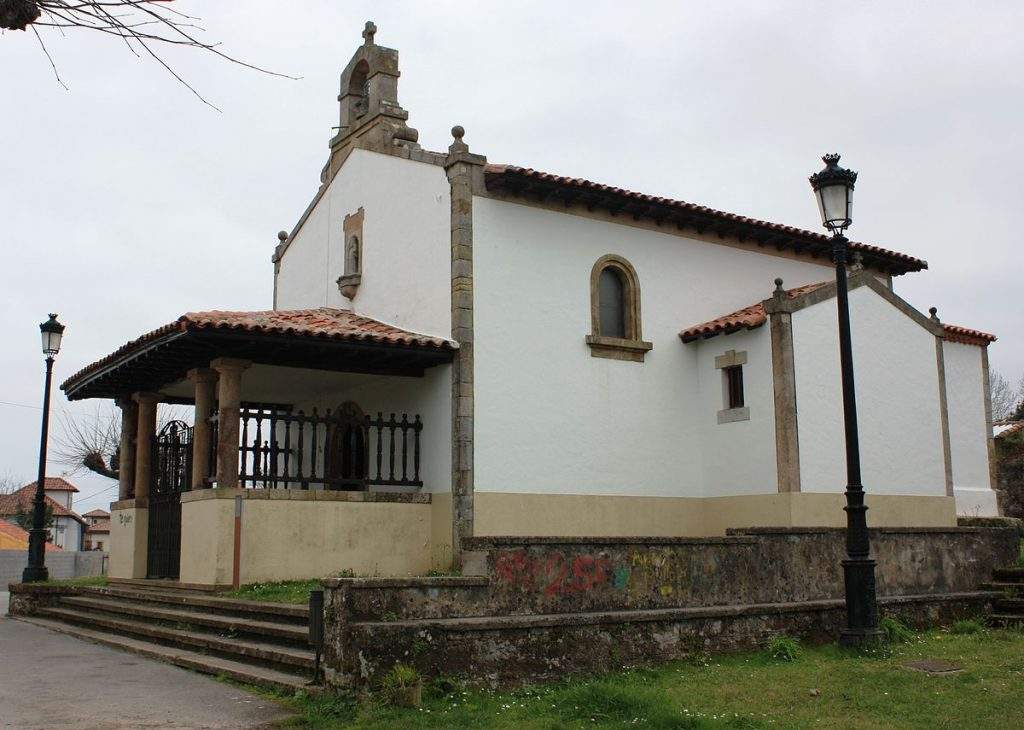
(291, 591)
(94, 580)
(823, 687)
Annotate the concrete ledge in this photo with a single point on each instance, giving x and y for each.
(428, 581)
(307, 495)
(531, 621)
(489, 541)
(738, 531)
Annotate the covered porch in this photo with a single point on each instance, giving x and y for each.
(317, 444)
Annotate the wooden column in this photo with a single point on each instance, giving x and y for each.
(229, 397)
(145, 432)
(126, 449)
(205, 381)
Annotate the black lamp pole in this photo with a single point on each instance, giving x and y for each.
(36, 568)
(834, 189)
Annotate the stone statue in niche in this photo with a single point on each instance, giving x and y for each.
(351, 277)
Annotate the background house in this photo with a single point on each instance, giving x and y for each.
(68, 528)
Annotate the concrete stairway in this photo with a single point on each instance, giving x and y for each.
(264, 644)
(1008, 610)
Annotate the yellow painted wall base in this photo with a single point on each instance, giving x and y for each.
(129, 534)
(501, 513)
(289, 535)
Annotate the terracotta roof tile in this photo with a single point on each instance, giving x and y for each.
(97, 513)
(16, 533)
(56, 484)
(323, 322)
(9, 504)
(101, 526)
(1004, 428)
(901, 261)
(966, 336)
(748, 318)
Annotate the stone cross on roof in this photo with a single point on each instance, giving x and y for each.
(368, 33)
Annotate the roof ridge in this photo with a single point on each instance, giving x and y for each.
(907, 262)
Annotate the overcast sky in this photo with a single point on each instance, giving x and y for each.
(126, 202)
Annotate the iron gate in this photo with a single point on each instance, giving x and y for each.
(171, 475)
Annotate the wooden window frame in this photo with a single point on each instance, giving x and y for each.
(632, 347)
(731, 364)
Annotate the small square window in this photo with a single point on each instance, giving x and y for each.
(733, 386)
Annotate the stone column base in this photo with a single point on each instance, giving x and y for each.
(129, 538)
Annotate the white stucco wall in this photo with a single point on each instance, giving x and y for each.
(67, 533)
(968, 430)
(550, 418)
(429, 396)
(897, 387)
(406, 256)
(738, 457)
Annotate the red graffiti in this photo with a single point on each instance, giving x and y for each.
(554, 573)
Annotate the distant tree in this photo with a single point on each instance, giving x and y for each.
(24, 519)
(144, 26)
(9, 484)
(1007, 400)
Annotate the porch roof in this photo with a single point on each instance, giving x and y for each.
(320, 339)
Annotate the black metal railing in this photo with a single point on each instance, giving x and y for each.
(341, 450)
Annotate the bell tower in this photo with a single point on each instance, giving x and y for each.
(371, 117)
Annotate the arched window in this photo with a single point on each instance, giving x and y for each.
(611, 303)
(615, 311)
(359, 85)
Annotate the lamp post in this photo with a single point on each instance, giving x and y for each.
(52, 331)
(833, 187)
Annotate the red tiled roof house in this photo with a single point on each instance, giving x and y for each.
(455, 348)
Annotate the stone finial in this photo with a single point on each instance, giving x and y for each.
(368, 32)
(458, 145)
(282, 236)
(934, 312)
(778, 284)
(779, 292)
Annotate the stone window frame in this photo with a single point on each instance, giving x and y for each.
(631, 348)
(352, 232)
(724, 362)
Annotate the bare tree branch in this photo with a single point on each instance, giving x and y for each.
(92, 441)
(139, 24)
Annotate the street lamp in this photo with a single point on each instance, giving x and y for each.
(52, 331)
(833, 187)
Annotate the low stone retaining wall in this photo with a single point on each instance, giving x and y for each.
(546, 606)
(61, 565)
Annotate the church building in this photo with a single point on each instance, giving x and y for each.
(458, 348)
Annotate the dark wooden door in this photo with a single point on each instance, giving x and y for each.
(171, 475)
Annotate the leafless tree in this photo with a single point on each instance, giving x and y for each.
(10, 483)
(1006, 399)
(144, 26)
(92, 441)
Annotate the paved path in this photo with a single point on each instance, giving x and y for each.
(49, 680)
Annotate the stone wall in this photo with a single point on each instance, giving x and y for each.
(545, 606)
(61, 565)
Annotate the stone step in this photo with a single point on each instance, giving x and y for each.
(1003, 587)
(1009, 605)
(1009, 575)
(279, 612)
(242, 650)
(161, 583)
(238, 671)
(1015, 620)
(268, 631)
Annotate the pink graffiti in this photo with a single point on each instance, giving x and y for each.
(553, 574)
